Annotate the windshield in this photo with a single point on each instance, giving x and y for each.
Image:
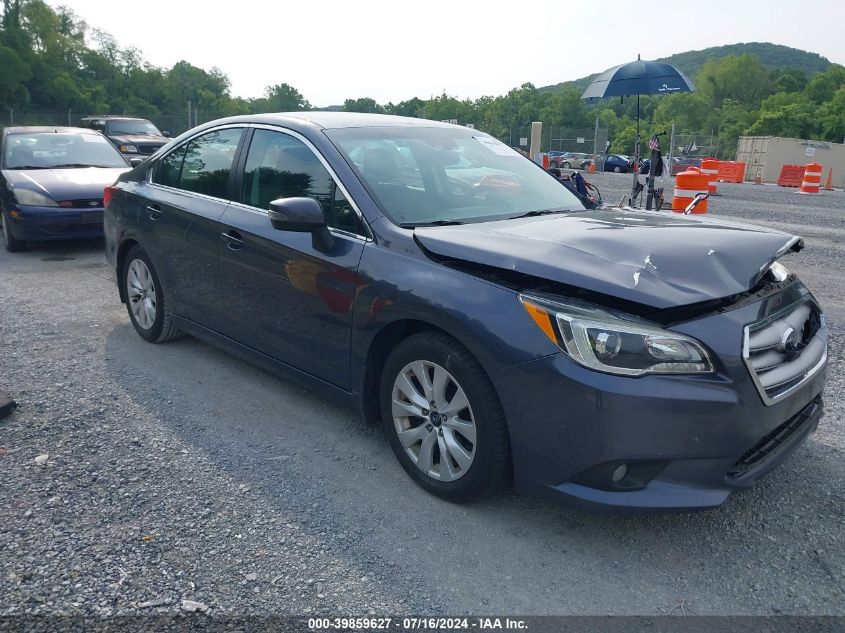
(48, 150)
(143, 128)
(423, 176)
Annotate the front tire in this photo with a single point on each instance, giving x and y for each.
(145, 299)
(566, 165)
(443, 418)
(12, 244)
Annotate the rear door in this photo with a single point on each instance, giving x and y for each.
(289, 299)
(187, 193)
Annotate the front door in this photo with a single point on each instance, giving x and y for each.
(291, 300)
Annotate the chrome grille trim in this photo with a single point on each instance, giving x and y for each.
(776, 372)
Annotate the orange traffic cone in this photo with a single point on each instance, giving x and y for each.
(828, 185)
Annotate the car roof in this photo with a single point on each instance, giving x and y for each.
(48, 129)
(334, 120)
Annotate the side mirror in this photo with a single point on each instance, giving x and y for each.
(165, 133)
(302, 215)
(135, 161)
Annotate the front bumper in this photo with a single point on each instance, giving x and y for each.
(688, 442)
(51, 223)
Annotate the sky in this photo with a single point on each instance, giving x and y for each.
(331, 50)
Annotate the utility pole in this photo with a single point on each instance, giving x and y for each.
(189, 115)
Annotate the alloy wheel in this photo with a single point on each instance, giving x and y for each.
(141, 294)
(434, 421)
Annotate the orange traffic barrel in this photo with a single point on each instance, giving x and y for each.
(687, 185)
(710, 166)
(812, 180)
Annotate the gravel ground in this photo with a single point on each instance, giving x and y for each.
(178, 477)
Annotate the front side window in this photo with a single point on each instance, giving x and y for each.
(281, 166)
(60, 150)
(202, 165)
(421, 175)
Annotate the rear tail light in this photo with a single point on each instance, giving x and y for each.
(108, 193)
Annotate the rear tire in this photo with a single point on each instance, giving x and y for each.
(145, 299)
(452, 409)
(566, 165)
(12, 244)
(617, 169)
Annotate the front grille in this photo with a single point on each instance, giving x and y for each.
(147, 149)
(774, 440)
(785, 349)
(91, 203)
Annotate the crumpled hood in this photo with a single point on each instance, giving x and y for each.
(65, 184)
(661, 259)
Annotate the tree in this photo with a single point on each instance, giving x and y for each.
(13, 79)
(282, 98)
(788, 80)
(364, 104)
(786, 114)
(565, 108)
(823, 86)
(691, 112)
(623, 141)
(740, 78)
(412, 107)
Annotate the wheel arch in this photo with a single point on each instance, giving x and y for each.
(379, 349)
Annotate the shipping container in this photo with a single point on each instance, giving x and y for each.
(766, 155)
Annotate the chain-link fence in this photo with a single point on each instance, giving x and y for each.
(172, 123)
(556, 138)
(689, 145)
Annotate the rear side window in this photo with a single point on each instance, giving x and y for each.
(203, 165)
(281, 166)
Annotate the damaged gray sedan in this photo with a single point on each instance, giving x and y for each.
(451, 289)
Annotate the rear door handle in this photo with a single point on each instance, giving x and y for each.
(233, 240)
(153, 211)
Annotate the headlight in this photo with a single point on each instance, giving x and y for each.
(615, 343)
(32, 198)
(779, 271)
(128, 149)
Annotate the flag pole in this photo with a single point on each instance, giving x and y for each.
(636, 158)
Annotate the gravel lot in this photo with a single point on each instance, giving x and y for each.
(181, 478)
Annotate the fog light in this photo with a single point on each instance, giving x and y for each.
(619, 473)
(15, 213)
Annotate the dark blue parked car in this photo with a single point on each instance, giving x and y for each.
(617, 163)
(440, 282)
(52, 181)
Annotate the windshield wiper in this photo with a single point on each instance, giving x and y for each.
(413, 225)
(29, 167)
(532, 214)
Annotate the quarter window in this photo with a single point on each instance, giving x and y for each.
(202, 165)
(281, 166)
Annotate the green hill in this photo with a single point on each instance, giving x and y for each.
(771, 55)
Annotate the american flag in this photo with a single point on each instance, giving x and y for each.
(653, 142)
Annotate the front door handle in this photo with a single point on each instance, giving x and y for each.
(233, 240)
(153, 211)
